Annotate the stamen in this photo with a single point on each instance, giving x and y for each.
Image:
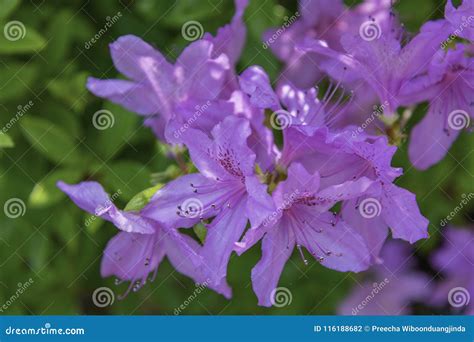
(301, 254)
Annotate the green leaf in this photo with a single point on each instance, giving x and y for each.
(200, 231)
(140, 200)
(20, 39)
(17, 79)
(123, 124)
(5, 141)
(38, 251)
(51, 141)
(70, 90)
(59, 35)
(62, 116)
(93, 223)
(184, 11)
(66, 226)
(126, 177)
(46, 192)
(7, 7)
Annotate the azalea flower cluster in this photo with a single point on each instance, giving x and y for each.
(328, 191)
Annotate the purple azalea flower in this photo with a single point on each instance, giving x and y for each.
(226, 189)
(291, 106)
(382, 62)
(230, 39)
(326, 20)
(461, 18)
(160, 90)
(449, 87)
(341, 156)
(140, 246)
(454, 262)
(155, 86)
(393, 285)
(303, 219)
(261, 138)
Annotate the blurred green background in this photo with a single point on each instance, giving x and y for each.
(43, 76)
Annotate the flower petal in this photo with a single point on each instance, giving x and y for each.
(131, 257)
(133, 96)
(400, 211)
(255, 82)
(186, 264)
(224, 231)
(332, 240)
(432, 137)
(188, 199)
(374, 230)
(91, 197)
(277, 247)
(259, 203)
